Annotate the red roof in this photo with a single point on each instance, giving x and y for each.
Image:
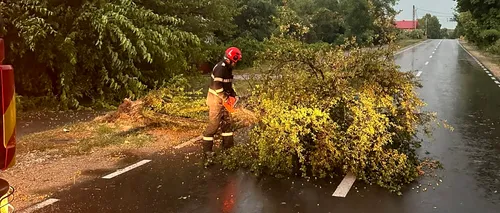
(406, 24)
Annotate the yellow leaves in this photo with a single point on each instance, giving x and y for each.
(360, 116)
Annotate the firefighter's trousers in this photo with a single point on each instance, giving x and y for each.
(219, 117)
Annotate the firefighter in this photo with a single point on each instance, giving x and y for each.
(220, 92)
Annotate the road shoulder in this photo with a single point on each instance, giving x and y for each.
(60, 158)
(490, 61)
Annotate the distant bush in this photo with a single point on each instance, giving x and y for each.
(414, 34)
(490, 36)
(495, 48)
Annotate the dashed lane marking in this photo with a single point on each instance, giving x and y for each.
(426, 63)
(478, 62)
(496, 82)
(126, 169)
(41, 205)
(419, 73)
(345, 185)
(430, 56)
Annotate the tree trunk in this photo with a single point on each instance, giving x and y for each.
(54, 79)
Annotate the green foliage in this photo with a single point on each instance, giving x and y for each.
(331, 20)
(327, 26)
(176, 99)
(331, 113)
(35, 103)
(249, 47)
(92, 49)
(208, 19)
(444, 33)
(256, 19)
(412, 34)
(96, 53)
(430, 24)
(495, 48)
(370, 21)
(479, 22)
(490, 36)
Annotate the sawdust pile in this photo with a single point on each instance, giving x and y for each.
(243, 117)
(134, 112)
(129, 110)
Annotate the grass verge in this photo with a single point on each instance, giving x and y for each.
(491, 61)
(82, 138)
(408, 42)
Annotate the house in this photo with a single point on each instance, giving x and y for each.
(407, 25)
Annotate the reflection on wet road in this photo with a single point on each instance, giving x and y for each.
(455, 87)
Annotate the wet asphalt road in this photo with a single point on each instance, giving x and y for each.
(33, 122)
(455, 87)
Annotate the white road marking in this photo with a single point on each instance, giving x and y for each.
(487, 71)
(496, 82)
(426, 63)
(41, 205)
(409, 48)
(493, 78)
(345, 185)
(472, 56)
(187, 143)
(430, 56)
(121, 171)
(433, 52)
(490, 75)
(419, 73)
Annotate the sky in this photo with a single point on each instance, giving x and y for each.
(443, 9)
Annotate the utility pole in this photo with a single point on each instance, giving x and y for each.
(426, 27)
(414, 11)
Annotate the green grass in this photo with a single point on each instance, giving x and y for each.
(107, 136)
(82, 138)
(408, 42)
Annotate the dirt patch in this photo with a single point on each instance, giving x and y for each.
(492, 62)
(54, 160)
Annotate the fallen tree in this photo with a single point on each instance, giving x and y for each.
(333, 112)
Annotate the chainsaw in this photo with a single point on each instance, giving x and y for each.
(230, 104)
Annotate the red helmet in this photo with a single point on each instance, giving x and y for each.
(233, 54)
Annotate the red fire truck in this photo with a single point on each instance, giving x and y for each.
(8, 147)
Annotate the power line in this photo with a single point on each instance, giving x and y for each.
(436, 12)
(445, 16)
